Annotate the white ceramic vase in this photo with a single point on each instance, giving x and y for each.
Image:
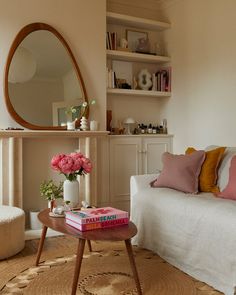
(71, 192)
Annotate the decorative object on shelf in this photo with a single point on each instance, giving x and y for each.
(123, 43)
(51, 191)
(144, 79)
(93, 125)
(129, 122)
(143, 45)
(135, 83)
(71, 165)
(83, 124)
(125, 86)
(70, 125)
(133, 38)
(158, 49)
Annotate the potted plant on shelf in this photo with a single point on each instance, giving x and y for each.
(51, 191)
(71, 165)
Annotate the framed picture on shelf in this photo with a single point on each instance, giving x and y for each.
(134, 39)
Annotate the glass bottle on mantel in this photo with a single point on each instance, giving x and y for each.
(164, 124)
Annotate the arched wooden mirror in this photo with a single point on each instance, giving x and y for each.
(43, 80)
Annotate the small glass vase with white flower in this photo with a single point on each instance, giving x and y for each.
(73, 114)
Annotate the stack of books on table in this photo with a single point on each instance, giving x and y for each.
(90, 219)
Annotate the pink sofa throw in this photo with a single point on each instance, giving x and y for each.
(180, 172)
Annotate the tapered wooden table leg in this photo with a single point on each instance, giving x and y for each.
(40, 247)
(133, 266)
(89, 245)
(79, 257)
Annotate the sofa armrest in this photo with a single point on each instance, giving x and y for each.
(139, 182)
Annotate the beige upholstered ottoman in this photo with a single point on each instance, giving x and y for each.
(12, 231)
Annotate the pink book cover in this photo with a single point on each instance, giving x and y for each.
(92, 226)
(96, 215)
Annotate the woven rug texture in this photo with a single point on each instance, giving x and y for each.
(105, 271)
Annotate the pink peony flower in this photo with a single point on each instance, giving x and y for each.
(66, 165)
(71, 165)
(87, 165)
(77, 164)
(56, 160)
(76, 155)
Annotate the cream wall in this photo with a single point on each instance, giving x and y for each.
(202, 46)
(82, 24)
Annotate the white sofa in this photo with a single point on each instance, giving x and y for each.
(195, 233)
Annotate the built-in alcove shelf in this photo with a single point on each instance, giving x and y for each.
(136, 22)
(137, 92)
(137, 57)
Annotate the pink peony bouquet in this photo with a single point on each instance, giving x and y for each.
(71, 165)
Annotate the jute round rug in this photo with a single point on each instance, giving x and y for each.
(106, 272)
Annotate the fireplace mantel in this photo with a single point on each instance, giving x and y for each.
(50, 133)
(11, 158)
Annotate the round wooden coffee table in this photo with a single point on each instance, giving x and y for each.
(117, 233)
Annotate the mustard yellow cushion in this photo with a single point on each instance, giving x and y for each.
(208, 174)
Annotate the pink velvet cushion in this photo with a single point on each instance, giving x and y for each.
(180, 172)
(230, 190)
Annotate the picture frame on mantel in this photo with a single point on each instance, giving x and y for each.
(133, 37)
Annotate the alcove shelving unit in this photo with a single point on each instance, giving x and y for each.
(117, 55)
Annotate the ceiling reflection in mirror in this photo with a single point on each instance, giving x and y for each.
(43, 82)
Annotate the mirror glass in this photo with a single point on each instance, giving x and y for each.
(43, 80)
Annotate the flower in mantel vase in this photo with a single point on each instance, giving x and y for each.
(74, 113)
(71, 165)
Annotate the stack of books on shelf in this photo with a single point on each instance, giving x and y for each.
(161, 80)
(111, 40)
(90, 219)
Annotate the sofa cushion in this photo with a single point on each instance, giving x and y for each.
(223, 172)
(180, 172)
(230, 190)
(208, 175)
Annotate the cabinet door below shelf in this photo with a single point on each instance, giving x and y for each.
(124, 162)
(153, 148)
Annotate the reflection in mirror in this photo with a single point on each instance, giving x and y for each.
(43, 80)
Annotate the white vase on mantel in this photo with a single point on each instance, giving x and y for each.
(71, 192)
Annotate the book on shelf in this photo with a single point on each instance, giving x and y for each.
(97, 225)
(111, 79)
(162, 81)
(111, 40)
(96, 215)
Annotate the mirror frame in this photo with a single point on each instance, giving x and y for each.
(23, 33)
